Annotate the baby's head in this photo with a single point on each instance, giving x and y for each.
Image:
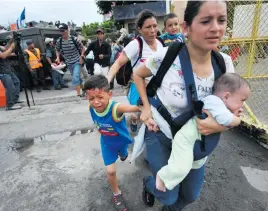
(171, 23)
(98, 92)
(233, 90)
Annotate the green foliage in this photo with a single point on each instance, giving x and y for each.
(112, 36)
(90, 29)
(106, 6)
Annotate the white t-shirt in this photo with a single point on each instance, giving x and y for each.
(172, 92)
(132, 51)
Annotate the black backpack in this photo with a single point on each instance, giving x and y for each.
(124, 74)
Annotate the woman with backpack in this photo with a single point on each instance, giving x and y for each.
(137, 51)
(191, 75)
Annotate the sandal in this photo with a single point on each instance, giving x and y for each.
(119, 203)
(147, 198)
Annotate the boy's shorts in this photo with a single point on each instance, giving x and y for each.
(110, 153)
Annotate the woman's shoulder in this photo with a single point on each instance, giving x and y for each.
(228, 63)
(131, 48)
(160, 54)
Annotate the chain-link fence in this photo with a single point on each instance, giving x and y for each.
(246, 41)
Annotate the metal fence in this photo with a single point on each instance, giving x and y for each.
(246, 41)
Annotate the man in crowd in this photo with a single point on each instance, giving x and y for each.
(51, 57)
(90, 60)
(8, 78)
(73, 52)
(102, 53)
(33, 60)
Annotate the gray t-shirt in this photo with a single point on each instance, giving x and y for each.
(69, 50)
(218, 110)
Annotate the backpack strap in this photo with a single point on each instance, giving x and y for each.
(60, 40)
(217, 59)
(75, 43)
(156, 81)
(188, 75)
(140, 42)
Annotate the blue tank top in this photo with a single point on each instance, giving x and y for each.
(113, 129)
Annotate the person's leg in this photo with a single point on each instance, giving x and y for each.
(84, 72)
(158, 151)
(105, 71)
(9, 86)
(55, 79)
(110, 155)
(76, 80)
(61, 81)
(97, 69)
(91, 66)
(16, 82)
(35, 80)
(41, 78)
(112, 179)
(190, 189)
(10, 90)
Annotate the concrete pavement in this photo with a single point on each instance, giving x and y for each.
(45, 119)
(66, 173)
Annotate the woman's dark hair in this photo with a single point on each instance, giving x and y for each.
(169, 16)
(192, 9)
(143, 16)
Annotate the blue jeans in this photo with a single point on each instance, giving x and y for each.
(12, 86)
(158, 152)
(57, 78)
(75, 70)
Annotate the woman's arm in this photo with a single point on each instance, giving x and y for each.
(122, 60)
(209, 125)
(139, 76)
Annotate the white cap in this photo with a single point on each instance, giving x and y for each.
(48, 40)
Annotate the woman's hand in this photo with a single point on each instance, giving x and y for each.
(160, 184)
(209, 125)
(146, 113)
(151, 125)
(146, 117)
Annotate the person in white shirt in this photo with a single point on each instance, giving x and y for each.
(204, 25)
(147, 27)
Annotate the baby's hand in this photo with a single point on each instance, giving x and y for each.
(160, 184)
(238, 112)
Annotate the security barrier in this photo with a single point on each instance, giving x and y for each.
(246, 41)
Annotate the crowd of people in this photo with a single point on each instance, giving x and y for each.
(173, 77)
